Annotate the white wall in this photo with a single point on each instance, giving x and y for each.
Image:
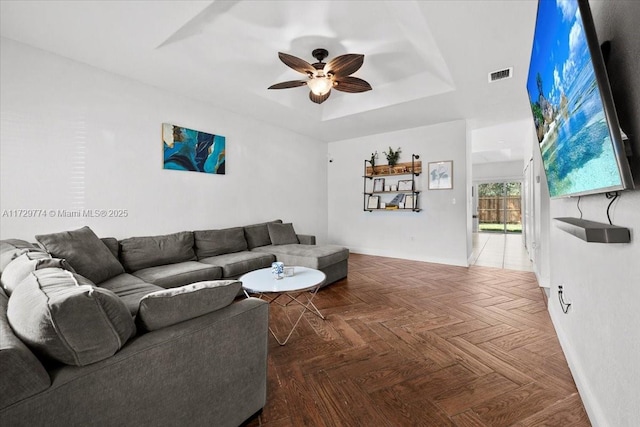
(600, 334)
(438, 233)
(75, 137)
(542, 220)
(497, 171)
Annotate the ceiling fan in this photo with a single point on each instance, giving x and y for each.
(322, 77)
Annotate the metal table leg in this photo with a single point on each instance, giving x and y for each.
(308, 306)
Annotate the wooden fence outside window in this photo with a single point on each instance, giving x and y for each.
(491, 209)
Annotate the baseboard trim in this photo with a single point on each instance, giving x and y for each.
(544, 296)
(594, 411)
(394, 254)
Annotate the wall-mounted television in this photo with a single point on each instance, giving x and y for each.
(575, 119)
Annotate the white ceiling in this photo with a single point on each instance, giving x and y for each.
(426, 60)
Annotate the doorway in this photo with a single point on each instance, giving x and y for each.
(500, 207)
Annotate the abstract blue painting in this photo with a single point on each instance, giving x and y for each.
(192, 150)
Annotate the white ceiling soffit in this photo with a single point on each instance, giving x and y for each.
(501, 143)
(402, 60)
(427, 61)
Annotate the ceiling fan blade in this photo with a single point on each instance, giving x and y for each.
(300, 65)
(344, 65)
(287, 85)
(319, 99)
(351, 85)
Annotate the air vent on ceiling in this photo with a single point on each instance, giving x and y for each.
(507, 73)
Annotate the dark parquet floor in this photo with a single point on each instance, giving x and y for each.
(410, 343)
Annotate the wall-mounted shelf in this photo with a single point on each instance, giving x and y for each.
(392, 192)
(407, 168)
(592, 231)
(374, 176)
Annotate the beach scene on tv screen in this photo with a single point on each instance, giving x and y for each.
(568, 112)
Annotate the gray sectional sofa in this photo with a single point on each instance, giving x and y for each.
(141, 331)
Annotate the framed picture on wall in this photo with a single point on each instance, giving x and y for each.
(441, 175)
(378, 185)
(372, 202)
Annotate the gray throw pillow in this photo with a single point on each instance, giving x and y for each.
(170, 306)
(282, 234)
(150, 251)
(27, 263)
(112, 244)
(86, 253)
(63, 316)
(219, 242)
(258, 234)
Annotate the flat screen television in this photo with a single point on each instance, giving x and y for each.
(576, 124)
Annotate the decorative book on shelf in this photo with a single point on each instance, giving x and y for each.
(398, 169)
(396, 201)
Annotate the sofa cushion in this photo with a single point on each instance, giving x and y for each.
(137, 253)
(10, 249)
(170, 306)
(25, 264)
(179, 274)
(63, 316)
(258, 234)
(86, 253)
(22, 373)
(130, 289)
(113, 245)
(282, 234)
(317, 257)
(218, 242)
(239, 263)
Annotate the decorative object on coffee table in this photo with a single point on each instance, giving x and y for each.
(277, 270)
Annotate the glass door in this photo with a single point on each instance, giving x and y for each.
(500, 207)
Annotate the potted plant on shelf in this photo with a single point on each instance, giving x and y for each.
(392, 157)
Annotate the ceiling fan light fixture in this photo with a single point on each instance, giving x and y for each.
(320, 84)
(321, 77)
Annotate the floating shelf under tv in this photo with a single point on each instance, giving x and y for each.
(592, 231)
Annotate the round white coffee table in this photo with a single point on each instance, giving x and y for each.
(305, 281)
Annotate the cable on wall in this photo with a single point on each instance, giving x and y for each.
(613, 196)
(578, 206)
(563, 305)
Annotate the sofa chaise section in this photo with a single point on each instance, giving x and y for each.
(293, 249)
(331, 260)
